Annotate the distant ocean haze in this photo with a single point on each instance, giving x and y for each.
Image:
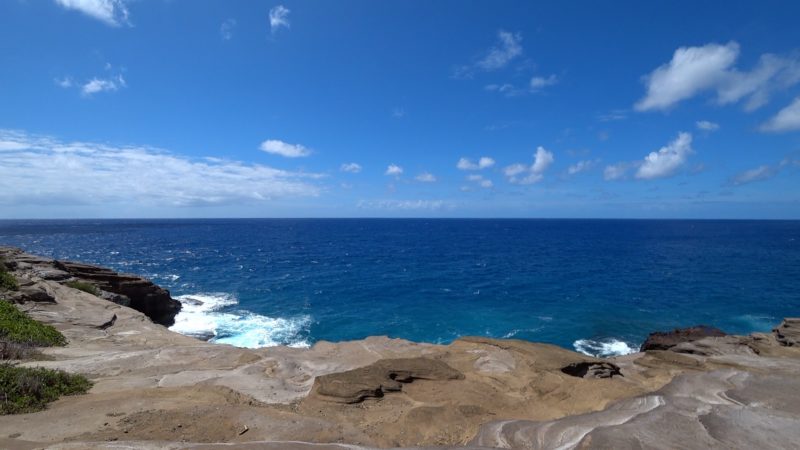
(596, 286)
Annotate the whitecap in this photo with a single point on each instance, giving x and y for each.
(202, 317)
(604, 348)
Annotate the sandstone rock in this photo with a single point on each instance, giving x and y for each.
(589, 369)
(667, 340)
(32, 293)
(788, 332)
(129, 290)
(386, 375)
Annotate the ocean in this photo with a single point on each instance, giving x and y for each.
(596, 286)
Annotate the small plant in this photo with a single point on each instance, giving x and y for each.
(8, 282)
(26, 389)
(16, 326)
(83, 286)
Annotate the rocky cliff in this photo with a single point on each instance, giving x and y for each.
(155, 389)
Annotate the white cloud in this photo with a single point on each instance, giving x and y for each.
(757, 174)
(278, 17)
(483, 163)
(667, 160)
(705, 125)
(96, 85)
(691, 70)
(398, 113)
(508, 48)
(351, 167)
(694, 70)
(787, 119)
(393, 170)
(277, 147)
(426, 177)
(41, 170)
(111, 12)
(480, 181)
(432, 205)
(226, 29)
(581, 166)
(533, 174)
(539, 83)
(616, 171)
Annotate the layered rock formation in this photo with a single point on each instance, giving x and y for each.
(661, 340)
(128, 290)
(156, 389)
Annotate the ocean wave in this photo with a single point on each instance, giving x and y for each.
(604, 348)
(201, 317)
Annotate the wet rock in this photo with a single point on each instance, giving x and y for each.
(386, 375)
(666, 340)
(590, 369)
(788, 332)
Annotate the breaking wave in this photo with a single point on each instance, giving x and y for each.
(202, 317)
(604, 348)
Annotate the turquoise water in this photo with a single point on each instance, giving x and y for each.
(595, 285)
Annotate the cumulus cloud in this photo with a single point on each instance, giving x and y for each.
(65, 82)
(408, 205)
(536, 84)
(42, 170)
(393, 170)
(277, 147)
(226, 29)
(350, 167)
(483, 163)
(110, 12)
(522, 174)
(278, 18)
(710, 67)
(667, 160)
(787, 119)
(581, 166)
(96, 85)
(426, 177)
(705, 125)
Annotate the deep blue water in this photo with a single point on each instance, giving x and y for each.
(264, 282)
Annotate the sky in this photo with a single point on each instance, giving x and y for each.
(185, 109)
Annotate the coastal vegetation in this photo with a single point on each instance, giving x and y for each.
(83, 286)
(7, 281)
(30, 389)
(17, 327)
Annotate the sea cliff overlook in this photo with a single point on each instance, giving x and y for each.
(154, 388)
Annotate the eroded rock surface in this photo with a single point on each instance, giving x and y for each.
(788, 332)
(661, 340)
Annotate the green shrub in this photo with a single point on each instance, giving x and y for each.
(16, 326)
(8, 282)
(83, 286)
(25, 389)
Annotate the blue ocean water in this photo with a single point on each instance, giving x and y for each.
(598, 286)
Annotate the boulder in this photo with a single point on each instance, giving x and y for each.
(666, 340)
(386, 375)
(788, 332)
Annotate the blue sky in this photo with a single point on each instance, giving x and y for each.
(157, 108)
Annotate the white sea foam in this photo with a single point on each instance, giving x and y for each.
(603, 348)
(201, 317)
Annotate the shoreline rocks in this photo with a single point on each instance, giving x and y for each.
(665, 340)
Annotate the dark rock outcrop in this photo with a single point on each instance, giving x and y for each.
(386, 375)
(590, 369)
(130, 290)
(788, 332)
(666, 340)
